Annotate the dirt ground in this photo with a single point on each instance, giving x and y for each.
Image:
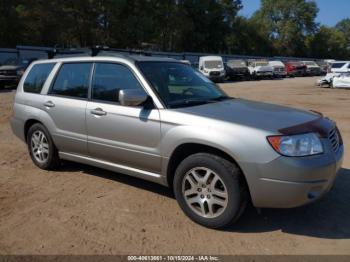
(85, 210)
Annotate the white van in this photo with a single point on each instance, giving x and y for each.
(212, 67)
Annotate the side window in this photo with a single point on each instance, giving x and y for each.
(72, 80)
(36, 77)
(109, 79)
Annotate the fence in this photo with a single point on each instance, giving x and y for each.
(36, 52)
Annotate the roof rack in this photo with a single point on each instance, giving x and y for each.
(92, 51)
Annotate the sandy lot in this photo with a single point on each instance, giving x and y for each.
(85, 210)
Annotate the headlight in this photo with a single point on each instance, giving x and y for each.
(297, 145)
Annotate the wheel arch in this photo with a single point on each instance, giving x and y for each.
(28, 124)
(186, 149)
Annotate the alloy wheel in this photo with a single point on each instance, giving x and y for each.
(204, 192)
(40, 146)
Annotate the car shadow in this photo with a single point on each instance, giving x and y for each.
(327, 218)
(68, 166)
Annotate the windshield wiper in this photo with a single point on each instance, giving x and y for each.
(221, 98)
(194, 102)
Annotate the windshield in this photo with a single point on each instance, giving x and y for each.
(276, 63)
(337, 65)
(237, 63)
(261, 63)
(213, 64)
(179, 85)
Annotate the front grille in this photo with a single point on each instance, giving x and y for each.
(334, 138)
(279, 69)
(8, 72)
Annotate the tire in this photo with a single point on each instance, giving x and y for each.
(229, 189)
(43, 152)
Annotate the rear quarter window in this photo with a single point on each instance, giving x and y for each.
(37, 77)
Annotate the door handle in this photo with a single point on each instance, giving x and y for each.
(98, 112)
(49, 104)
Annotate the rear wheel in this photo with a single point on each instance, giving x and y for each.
(210, 190)
(41, 148)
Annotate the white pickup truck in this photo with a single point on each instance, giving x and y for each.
(260, 69)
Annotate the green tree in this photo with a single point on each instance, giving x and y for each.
(287, 23)
(248, 38)
(10, 25)
(328, 42)
(344, 26)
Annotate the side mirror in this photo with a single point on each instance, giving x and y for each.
(132, 97)
(201, 68)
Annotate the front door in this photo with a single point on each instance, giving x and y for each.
(119, 134)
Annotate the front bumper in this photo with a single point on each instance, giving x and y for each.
(216, 77)
(280, 74)
(262, 73)
(9, 80)
(288, 182)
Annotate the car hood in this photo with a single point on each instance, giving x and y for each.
(264, 68)
(312, 66)
(220, 69)
(9, 67)
(253, 114)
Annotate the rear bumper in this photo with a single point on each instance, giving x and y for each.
(288, 182)
(17, 127)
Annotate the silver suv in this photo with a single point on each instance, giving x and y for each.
(160, 120)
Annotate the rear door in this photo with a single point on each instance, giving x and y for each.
(119, 134)
(66, 104)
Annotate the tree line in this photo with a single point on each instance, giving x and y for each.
(278, 28)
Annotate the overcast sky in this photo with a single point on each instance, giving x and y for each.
(331, 11)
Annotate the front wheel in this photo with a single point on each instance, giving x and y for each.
(210, 190)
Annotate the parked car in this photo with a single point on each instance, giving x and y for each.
(260, 69)
(312, 69)
(237, 69)
(323, 66)
(161, 120)
(295, 68)
(12, 70)
(279, 69)
(341, 81)
(340, 67)
(212, 67)
(337, 68)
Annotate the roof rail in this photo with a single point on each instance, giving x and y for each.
(92, 51)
